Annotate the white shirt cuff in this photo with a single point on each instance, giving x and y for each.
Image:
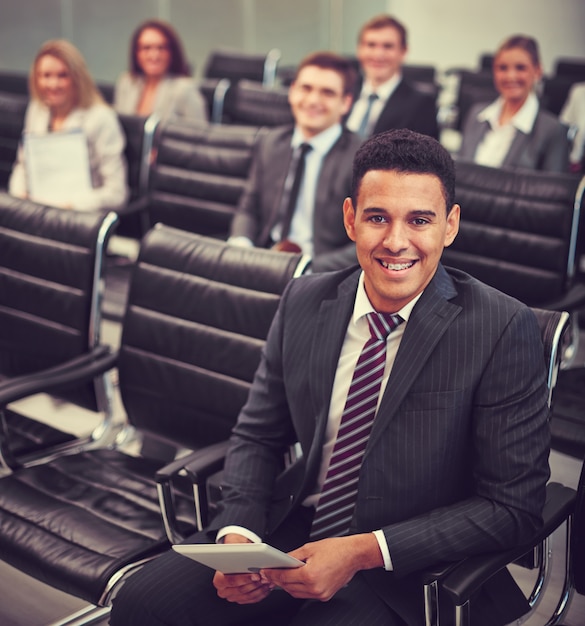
(241, 241)
(239, 530)
(384, 549)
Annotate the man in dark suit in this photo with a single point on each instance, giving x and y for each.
(384, 100)
(320, 96)
(456, 460)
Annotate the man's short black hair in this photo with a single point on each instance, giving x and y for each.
(403, 150)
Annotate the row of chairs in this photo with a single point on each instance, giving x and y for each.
(81, 518)
(520, 229)
(193, 303)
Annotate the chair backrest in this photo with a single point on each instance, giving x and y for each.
(473, 88)
(197, 318)
(12, 110)
(139, 134)
(571, 68)
(199, 174)
(423, 78)
(555, 91)
(107, 90)
(50, 271)
(518, 231)
(14, 82)
(250, 103)
(486, 61)
(236, 65)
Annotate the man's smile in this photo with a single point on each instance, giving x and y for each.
(397, 266)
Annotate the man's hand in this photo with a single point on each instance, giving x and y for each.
(241, 588)
(329, 565)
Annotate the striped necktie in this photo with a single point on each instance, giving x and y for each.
(338, 495)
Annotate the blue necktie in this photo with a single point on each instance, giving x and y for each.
(363, 128)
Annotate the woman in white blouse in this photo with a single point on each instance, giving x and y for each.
(515, 130)
(65, 103)
(159, 77)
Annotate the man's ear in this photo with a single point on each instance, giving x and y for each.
(349, 218)
(290, 88)
(347, 103)
(452, 224)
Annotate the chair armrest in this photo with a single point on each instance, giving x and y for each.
(138, 205)
(77, 370)
(198, 466)
(471, 573)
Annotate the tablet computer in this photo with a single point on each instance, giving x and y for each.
(237, 558)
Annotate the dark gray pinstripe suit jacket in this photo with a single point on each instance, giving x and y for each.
(458, 456)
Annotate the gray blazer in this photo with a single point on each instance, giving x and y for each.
(457, 460)
(176, 97)
(260, 203)
(545, 148)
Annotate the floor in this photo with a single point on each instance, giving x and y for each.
(26, 602)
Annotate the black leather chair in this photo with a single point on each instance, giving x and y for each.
(252, 104)
(50, 291)
(236, 65)
(564, 505)
(199, 174)
(12, 110)
(14, 82)
(423, 78)
(225, 68)
(196, 321)
(555, 91)
(570, 67)
(139, 132)
(519, 233)
(473, 88)
(461, 580)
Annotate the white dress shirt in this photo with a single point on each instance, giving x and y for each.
(356, 336)
(384, 91)
(495, 145)
(573, 114)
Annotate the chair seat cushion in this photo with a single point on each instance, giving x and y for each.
(89, 515)
(28, 436)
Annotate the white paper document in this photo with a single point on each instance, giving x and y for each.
(57, 167)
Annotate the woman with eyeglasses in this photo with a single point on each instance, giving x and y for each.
(159, 77)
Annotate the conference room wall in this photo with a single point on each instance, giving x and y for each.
(444, 33)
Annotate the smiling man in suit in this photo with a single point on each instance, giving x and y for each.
(273, 211)
(384, 99)
(440, 434)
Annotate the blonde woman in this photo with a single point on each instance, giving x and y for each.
(64, 99)
(514, 130)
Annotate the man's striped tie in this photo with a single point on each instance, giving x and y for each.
(338, 495)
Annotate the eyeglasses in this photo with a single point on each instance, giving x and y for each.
(163, 47)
